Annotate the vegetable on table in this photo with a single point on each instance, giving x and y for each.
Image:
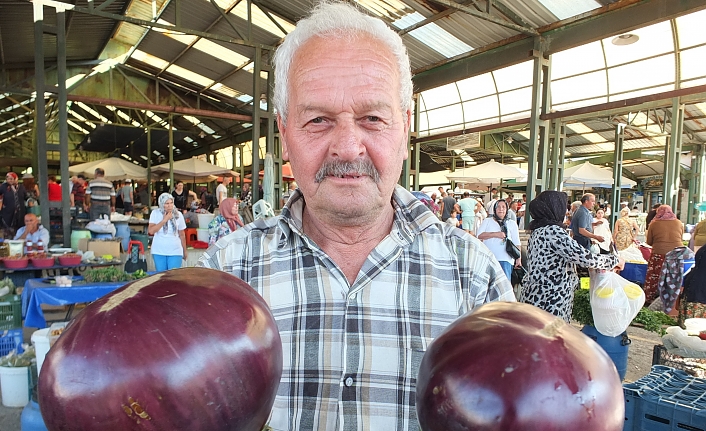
(188, 349)
(511, 366)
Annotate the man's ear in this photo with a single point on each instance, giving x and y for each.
(282, 137)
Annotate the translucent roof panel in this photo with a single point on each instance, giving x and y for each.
(580, 87)
(484, 108)
(568, 8)
(515, 101)
(476, 86)
(654, 40)
(441, 96)
(260, 19)
(693, 62)
(581, 59)
(690, 28)
(642, 74)
(447, 116)
(434, 36)
(513, 77)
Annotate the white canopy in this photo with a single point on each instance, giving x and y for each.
(193, 168)
(590, 175)
(486, 174)
(115, 168)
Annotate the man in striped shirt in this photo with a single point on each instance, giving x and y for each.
(100, 196)
(360, 276)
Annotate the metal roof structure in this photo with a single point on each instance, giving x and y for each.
(188, 64)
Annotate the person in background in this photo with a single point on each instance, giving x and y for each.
(447, 205)
(222, 189)
(469, 208)
(693, 300)
(208, 201)
(181, 197)
(664, 235)
(78, 191)
(33, 231)
(32, 189)
(699, 235)
(118, 186)
(12, 205)
(288, 193)
(512, 211)
(602, 229)
(552, 257)
(226, 222)
(351, 245)
(625, 230)
(497, 229)
(453, 218)
(651, 215)
(607, 211)
(169, 242)
(54, 192)
(143, 195)
(100, 196)
(582, 222)
(246, 203)
(126, 192)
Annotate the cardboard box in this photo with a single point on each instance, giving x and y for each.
(100, 247)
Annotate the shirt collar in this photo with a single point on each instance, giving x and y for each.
(411, 217)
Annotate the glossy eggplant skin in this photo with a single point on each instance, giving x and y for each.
(188, 349)
(511, 366)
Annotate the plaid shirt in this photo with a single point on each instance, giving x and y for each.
(352, 352)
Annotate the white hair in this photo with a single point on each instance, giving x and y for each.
(335, 19)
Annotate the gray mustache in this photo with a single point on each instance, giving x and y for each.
(337, 168)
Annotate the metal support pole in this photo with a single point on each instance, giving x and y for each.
(699, 183)
(63, 126)
(171, 151)
(40, 115)
(149, 166)
(556, 163)
(544, 126)
(280, 187)
(416, 151)
(672, 152)
(617, 172)
(533, 185)
(256, 123)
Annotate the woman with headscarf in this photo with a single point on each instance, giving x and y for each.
(169, 242)
(497, 229)
(552, 256)
(693, 300)
(625, 230)
(226, 222)
(12, 201)
(664, 235)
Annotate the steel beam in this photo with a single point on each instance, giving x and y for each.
(556, 163)
(63, 126)
(256, 125)
(671, 159)
(487, 17)
(617, 172)
(39, 119)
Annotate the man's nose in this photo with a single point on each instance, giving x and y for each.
(347, 142)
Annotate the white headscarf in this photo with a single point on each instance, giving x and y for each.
(163, 198)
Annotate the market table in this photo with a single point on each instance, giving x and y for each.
(20, 276)
(637, 272)
(38, 291)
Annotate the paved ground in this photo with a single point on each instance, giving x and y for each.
(639, 364)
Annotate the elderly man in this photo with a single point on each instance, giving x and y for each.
(359, 275)
(33, 231)
(582, 222)
(100, 196)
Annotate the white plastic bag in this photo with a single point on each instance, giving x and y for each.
(615, 301)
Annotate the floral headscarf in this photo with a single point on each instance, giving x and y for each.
(664, 212)
(163, 198)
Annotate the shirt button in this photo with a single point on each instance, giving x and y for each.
(349, 382)
(352, 297)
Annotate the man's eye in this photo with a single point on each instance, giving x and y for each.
(373, 118)
(317, 120)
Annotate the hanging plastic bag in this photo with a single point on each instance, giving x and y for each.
(615, 302)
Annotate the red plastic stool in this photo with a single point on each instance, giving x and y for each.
(191, 236)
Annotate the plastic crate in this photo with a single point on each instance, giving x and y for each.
(666, 399)
(693, 366)
(10, 340)
(11, 313)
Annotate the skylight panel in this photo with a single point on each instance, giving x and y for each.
(82, 118)
(15, 118)
(221, 52)
(77, 127)
(225, 90)
(192, 120)
(186, 39)
(567, 8)
(205, 128)
(258, 18)
(390, 9)
(150, 59)
(15, 135)
(586, 132)
(690, 29)
(189, 75)
(433, 36)
(93, 112)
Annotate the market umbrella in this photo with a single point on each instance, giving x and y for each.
(286, 173)
(115, 168)
(268, 182)
(486, 174)
(193, 168)
(590, 175)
